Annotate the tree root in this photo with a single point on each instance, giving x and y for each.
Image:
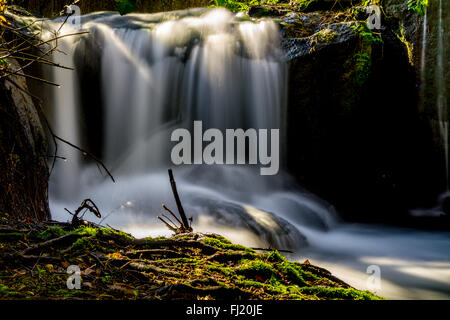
(186, 290)
(207, 249)
(65, 238)
(148, 253)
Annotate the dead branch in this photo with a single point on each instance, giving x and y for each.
(86, 204)
(84, 152)
(173, 214)
(185, 227)
(40, 59)
(168, 225)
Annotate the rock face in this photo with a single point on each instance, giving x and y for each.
(23, 166)
(52, 8)
(356, 136)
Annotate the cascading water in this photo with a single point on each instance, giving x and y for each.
(441, 96)
(433, 86)
(66, 121)
(423, 60)
(163, 71)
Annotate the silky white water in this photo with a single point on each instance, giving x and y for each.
(161, 72)
(441, 96)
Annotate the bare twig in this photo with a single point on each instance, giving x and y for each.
(173, 184)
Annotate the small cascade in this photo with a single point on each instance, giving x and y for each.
(441, 94)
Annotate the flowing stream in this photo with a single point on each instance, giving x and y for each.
(155, 73)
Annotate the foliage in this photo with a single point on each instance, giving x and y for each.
(369, 37)
(419, 6)
(236, 5)
(408, 45)
(125, 6)
(302, 5)
(232, 5)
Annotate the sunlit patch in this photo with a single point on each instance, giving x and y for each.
(150, 230)
(262, 218)
(207, 224)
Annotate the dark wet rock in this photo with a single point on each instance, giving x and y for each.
(318, 5)
(336, 33)
(274, 230)
(353, 120)
(259, 11)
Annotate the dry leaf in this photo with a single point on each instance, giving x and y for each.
(114, 255)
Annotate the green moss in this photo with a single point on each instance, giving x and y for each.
(232, 5)
(292, 274)
(114, 234)
(5, 291)
(327, 36)
(225, 244)
(82, 244)
(338, 293)
(263, 276)
(359, 68)
(301, 5)
(408, 45)
(51, 232)
(221, 268)
(90, 231)
(362, 64)
(418, 6)
(275, 256)
(251, 283)
(255, 268)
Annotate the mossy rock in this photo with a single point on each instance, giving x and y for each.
(319, 5)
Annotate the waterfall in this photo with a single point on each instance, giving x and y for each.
(441, 96)
(65, 122)
(423, 60)
(160, 72)
(153, 73)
